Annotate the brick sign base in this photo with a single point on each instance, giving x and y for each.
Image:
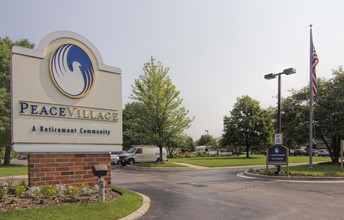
(66, 168)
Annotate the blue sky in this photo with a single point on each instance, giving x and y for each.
(216, 50)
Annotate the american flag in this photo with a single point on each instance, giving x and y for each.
(314, 62)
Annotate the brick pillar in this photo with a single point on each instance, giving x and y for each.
(66, 168)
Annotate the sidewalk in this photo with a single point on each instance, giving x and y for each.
(192, 166)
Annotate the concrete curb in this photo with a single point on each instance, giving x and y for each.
(141, 211)
(15, 179)
(295, 178)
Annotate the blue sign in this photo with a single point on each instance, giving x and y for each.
(72, 71)
(277, 155)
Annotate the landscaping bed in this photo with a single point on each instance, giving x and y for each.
(326, 169)
(22, 197)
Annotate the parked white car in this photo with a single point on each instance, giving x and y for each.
(114, 155)
(142, 153)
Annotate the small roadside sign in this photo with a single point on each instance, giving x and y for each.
(279, 139)
(277, 155)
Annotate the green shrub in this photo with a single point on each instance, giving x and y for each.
(60, 190)
(3, 190)
(186, 155)
(85, 190)
(201, 154)
(32, 192)
(48, 190)
(73, 190)
(20, 190)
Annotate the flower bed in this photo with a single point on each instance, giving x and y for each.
(23, 197)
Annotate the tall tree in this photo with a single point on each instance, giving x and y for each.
(295, 125)
(248, 125)
(329, 114)
(205, 140)
(162, 114)
(188, 145)
(133, 130)
(174, 143)
(5, 104)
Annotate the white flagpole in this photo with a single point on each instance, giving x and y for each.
(311, 100)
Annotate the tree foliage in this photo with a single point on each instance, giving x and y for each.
(247, 126)
(328, 114)
(133, 130)
(5, 103)
(205, 140)
(189, 145)
(163, 117)
(295, 118)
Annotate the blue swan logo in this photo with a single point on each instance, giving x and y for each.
(71, 70)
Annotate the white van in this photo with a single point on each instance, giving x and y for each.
(142, 154)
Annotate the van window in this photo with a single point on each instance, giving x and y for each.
(131, 150)
(139, 151)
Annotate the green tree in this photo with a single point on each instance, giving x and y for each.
(162, 115)
(5, 104)
(215, 144)
(175, 143)
(248, 125)
(204, 140)
(295, 118)
(329, 114)
(188, 145)
(133, 130)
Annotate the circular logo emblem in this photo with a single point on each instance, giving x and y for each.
(71, 70)
(277, 150)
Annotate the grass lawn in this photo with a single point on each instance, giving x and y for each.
(13, 170)
(121, 207)
(233, 161)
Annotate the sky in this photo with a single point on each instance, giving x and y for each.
(217, 50)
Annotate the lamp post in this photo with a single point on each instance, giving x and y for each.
(288, 71)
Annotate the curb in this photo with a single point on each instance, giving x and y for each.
(289, 178)
(14, 178)
(140, 211)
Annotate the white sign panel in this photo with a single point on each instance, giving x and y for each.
(64, 99)
(279, 139)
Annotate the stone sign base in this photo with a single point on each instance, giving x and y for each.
(66, 168)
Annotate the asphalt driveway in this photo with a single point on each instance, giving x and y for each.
(221, 194)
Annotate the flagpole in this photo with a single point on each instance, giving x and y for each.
(311, 100)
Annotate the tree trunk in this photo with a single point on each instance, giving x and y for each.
(334, 148)
(247, 150)
(7, 159)
(161, 158)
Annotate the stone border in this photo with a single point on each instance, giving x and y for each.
(140, 211)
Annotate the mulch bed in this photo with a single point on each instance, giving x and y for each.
(13, 202)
